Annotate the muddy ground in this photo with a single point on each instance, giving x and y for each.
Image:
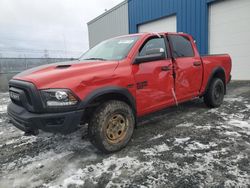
(185, 146)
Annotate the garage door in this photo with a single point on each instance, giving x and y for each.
(167, 24)
(229, 32)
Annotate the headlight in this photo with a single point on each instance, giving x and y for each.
(61, 95)
(58, 97)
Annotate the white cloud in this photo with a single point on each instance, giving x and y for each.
(47, 24)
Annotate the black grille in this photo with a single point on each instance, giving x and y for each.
(23, 96)
(29, 96)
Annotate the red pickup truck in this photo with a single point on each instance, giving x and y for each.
(114, 83)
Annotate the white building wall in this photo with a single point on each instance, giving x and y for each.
(110, 24)
(229, 32)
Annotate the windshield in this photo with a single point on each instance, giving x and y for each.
(112, 49)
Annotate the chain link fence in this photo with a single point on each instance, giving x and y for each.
(11, 66)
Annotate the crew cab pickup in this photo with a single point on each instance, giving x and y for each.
(114, 83)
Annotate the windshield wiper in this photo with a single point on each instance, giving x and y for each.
(96, 58)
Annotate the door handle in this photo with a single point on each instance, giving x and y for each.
(197, 63)
(166, 68)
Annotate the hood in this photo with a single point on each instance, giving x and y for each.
(58, 75)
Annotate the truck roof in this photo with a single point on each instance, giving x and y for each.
(154, 33)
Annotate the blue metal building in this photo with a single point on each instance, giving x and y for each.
(192, 16)
(218, 26)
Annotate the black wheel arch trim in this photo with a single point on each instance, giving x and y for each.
(212, 75)
(108, 90)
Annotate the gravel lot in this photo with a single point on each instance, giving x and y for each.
(185, 146)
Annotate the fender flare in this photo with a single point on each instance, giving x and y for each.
(212, 75)
(108, 90)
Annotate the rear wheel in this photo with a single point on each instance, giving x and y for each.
(111, 126)
(215, 93)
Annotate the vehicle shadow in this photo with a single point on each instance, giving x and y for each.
(196, 105)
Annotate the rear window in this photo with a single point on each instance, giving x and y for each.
(182, 46)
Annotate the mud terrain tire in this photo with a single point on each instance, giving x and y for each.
(215, 93)
(111, 126)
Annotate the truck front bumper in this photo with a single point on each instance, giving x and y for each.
(65, 122)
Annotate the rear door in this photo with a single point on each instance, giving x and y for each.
(187, 66)
(154, 79)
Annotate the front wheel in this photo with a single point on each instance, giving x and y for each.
(111, 126)
(215, 93)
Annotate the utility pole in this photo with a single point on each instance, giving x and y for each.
(46, 54)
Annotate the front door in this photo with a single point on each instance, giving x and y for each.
(154, 79)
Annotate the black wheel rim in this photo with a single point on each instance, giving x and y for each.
(218, 93)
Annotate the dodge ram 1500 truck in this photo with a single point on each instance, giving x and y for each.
(113, 84)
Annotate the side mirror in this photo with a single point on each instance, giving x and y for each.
(151, 57)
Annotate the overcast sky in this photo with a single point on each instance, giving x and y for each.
(29, 27)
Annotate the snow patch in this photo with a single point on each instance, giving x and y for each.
(240, 124)
(3, 108)
(157, 136)
(199, 146)
(213, 110)
(73, 180)
(179, 141)
(31, 169)
(185, 125)
(231, 133)
(156, 150)
(205, 127)
(118, 168)
(23, 140)
(162, 148)
(233, 99)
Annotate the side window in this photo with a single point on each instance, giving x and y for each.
(182, 47)
(151, 45)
